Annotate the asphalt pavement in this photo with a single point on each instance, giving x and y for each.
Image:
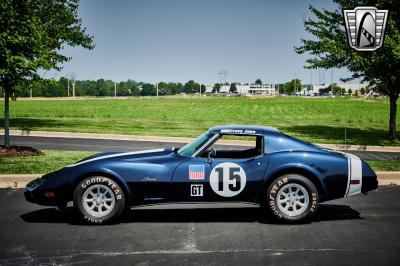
(360, 230)
(83, 144)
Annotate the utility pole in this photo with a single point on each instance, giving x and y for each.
(72, 76)
(222, 73)
(68, 85)
(200, 89)
(115, 90)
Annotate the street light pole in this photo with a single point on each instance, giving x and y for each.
(115, 90)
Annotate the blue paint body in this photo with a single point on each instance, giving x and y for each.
(163, 176)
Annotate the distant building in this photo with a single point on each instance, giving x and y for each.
(251, 89)
(353, 87)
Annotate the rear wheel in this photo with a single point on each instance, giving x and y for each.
(99, 199)
(293, 198)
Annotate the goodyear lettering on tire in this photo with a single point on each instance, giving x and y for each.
(272, 195)
(107, 181)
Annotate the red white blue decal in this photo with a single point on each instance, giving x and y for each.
(196, 172)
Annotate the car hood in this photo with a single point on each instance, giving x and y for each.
(124, 155)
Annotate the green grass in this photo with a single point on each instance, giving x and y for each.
(390, 165)
(312, 119)
(53, 160)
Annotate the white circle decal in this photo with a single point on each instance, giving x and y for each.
(227, 179)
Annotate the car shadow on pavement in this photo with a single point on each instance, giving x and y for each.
(326, 212)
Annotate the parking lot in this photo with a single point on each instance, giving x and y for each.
(362, 230)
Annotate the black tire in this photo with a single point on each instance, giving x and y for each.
(281, 186)
(110, 189)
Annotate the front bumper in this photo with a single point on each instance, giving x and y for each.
(43, 192)
(39, 197)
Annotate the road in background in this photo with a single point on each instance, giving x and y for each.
(360, 230)
(81, 144)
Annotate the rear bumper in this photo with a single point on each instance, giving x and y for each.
(369, 183)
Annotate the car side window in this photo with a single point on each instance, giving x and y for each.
(236, 147)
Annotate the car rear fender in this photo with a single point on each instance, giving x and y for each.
(291, 168)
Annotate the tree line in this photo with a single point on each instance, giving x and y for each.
(102, 87)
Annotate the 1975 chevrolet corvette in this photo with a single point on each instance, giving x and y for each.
(286, 176)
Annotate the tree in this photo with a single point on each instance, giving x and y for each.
(148, 90)
(329, 49)
(33, 34)
(349, 92)
(293, 86)
(203, 88)
(216, 88)
(335, 89)
(258, 82)
(232, 88)
(191, 87)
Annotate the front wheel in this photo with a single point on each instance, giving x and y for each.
(293, 198)
(99, 199)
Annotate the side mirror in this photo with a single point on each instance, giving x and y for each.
(212, 153)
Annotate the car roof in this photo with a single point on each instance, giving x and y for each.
(243, 129)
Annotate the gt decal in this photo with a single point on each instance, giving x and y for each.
(227, 179)
(196, 190)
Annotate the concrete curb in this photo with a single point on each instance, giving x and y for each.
(20, 181)
(182, 140)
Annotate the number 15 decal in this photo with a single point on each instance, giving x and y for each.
(227, 179)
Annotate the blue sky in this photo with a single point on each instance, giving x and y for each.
(178, 40)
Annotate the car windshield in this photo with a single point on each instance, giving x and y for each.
(190, 148)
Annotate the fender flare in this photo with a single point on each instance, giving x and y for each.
(292, 168)
(106, 173)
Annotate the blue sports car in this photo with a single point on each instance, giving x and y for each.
(286, 176)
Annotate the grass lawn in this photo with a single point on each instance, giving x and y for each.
(390, 165)
(318, 120)
(53, 160)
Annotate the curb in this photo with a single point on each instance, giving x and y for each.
(182, 140)
(20, 181)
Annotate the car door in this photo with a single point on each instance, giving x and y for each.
(237, 179)
(190, 180)
(211, 179)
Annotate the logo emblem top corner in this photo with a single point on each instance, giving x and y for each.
(365, 27)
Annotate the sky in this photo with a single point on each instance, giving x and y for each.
(179, 40)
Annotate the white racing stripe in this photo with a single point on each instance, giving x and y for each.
(354, 181)
(116, 155)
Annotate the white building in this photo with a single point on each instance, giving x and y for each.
(251, 89)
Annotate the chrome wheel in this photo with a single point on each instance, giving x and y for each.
(98, 200)
(293, 199)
